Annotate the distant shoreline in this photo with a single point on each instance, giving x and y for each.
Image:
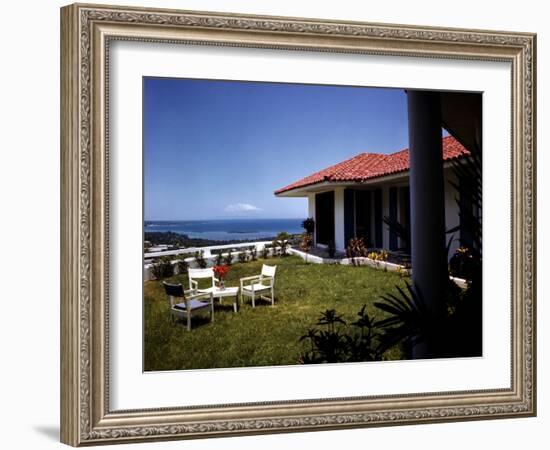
(181, 240)
(218, 232)
(174, 239)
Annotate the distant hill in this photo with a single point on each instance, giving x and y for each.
(182, 240)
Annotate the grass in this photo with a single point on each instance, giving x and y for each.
(265, 335)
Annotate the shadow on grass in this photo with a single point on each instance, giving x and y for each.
(258, 301)
(196, 321)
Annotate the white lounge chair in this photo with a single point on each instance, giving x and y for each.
(201, 274)
(258, 285)
(186, 303)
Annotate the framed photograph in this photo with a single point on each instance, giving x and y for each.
(275, 224)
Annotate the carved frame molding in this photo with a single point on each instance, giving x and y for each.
(87, 31)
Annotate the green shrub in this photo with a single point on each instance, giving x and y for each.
(162, 268)
(337, 342)
(309, 225)
(452, 330)
(281, 242)
(228, 258)
(182, 265)
(243, 256)
(200, 259)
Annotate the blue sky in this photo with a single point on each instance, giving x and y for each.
(218, 149)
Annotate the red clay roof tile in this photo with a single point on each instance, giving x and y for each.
(367, 166)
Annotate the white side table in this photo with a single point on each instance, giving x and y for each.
(227, 292)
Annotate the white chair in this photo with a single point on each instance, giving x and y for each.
(258, 285)
(201, 274)
(190, 304)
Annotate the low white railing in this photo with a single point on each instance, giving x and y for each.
(208, 250)
(364, 261)
(207, 254)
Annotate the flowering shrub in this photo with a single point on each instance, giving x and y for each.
(306, 243)
(403, 271)
(356, 249)
(382, 255)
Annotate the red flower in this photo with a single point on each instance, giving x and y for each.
(221, 271)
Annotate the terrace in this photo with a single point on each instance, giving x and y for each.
(263, 335)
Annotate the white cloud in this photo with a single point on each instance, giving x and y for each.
(241, 208)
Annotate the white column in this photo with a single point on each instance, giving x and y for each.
(339, 237)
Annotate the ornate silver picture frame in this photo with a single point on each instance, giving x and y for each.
(87, 32)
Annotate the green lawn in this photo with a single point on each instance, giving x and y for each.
(265, 335)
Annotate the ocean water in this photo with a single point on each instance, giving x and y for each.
(227, 230)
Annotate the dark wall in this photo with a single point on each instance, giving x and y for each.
(324, 217)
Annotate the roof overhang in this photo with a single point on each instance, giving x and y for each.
(330, 185)
(461, 115)
(324, 186)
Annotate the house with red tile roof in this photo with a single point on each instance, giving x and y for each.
(359, 196)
